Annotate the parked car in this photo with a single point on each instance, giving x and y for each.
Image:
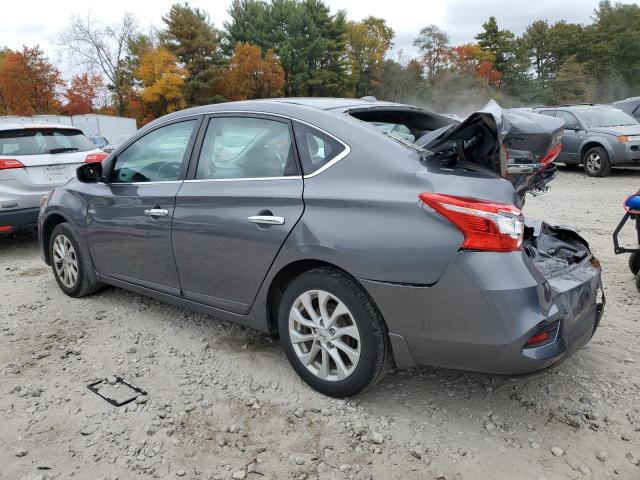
(34, 158)
(115, 143)
(630, 106)
(598, 137)
(99, 142)
(359, 249)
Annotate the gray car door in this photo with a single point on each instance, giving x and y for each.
(571, 138)
(130, 214)
(242, 198)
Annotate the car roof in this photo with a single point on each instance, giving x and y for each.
(302, 108)
(577, 107)
(628, 100)
(31, 125)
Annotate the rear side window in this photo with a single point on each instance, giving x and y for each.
(39, 141)
(550, 113)
(316, 149)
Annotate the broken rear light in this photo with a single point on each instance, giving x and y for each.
(497, 227)
(95, 157)
(553, 153)
(7, 163)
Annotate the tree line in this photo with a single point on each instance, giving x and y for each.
(302, 48)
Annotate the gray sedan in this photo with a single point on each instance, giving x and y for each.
(359, 247)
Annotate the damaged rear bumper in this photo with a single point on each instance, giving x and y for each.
(482, 312)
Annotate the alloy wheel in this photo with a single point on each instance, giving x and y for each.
(324, 335)
(65, 261)
(594, 162)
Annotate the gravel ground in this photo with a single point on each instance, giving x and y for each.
(224, 403)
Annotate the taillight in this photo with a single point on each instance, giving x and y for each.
(95, 157)
(7, 163)
(497, 227)
(553, 153)
(544, 335)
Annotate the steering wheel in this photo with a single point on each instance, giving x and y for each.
(169, 171)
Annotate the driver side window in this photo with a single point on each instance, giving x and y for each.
(156, 157)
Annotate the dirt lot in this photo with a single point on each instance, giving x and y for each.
(223, 403)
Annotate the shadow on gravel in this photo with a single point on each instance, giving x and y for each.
(26, 239)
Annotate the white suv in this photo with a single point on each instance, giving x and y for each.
(34, 158)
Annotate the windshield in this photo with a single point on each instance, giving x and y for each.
(38, 141)
(600, 117)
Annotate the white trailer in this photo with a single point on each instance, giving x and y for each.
(59, 119)
(115, 129)
(14, 119)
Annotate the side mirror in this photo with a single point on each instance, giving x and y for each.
(574, 128)
(89, 172)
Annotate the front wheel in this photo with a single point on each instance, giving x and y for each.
(634, 263)
(332, 333)
(69, 270)
(596, 162)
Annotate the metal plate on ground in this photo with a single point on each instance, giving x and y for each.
(117, 393)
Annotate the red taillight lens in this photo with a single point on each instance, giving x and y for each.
(546, 334)
(496, 227)
(553, 153)
(7, 163)
(539, 338)
(5, 228)
(95, 157)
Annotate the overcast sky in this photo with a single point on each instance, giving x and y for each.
(31, 22)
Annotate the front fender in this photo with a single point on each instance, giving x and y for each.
(600, 139)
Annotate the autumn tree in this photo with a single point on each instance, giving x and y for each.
(103, 49)
(81, 94)
(251, 74)
(471, 58)
(368, 42)
(162, 81)
(28, 83)
(433, 45)
(191, 37)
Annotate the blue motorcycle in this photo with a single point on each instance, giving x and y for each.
(632, 207)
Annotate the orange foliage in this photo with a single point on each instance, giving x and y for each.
(28, 83)
(81, 94)
(472, 58)
(252, 75)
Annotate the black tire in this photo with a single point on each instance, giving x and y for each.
(600, 169)
(638, 281)
(634, 263)
(375, 349)
(86, 282)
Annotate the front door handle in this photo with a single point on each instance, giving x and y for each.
(157, 212)
(266, 220)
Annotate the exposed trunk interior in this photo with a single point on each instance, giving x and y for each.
(511, 143)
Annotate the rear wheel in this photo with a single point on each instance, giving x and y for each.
(638, 282)
(332, 333)
(634, 263)
(596, 162)
(67, 264)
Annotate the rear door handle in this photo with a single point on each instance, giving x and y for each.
(157, 212)
(266, 220)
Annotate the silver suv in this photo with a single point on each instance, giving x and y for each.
(598, 137)
(34, 158)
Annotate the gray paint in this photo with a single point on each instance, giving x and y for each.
(442, 306)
